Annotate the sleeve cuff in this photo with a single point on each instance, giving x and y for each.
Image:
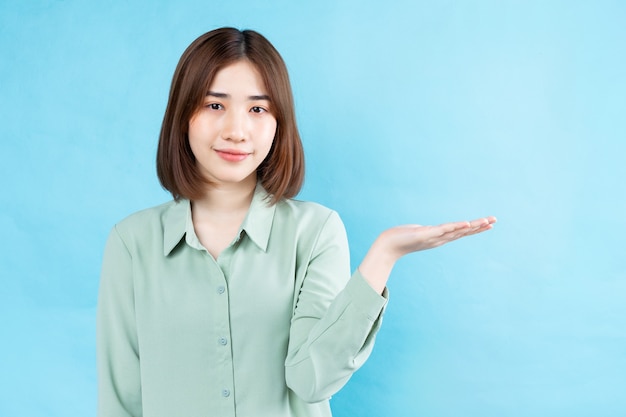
(365, 298)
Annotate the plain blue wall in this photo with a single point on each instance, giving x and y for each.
(411, 112)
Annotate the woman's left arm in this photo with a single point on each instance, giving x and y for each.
(335, 318)
(335, 323)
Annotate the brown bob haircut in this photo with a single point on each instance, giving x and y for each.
(282, 171)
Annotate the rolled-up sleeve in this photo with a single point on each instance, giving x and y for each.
(335, 320)
(119, 382)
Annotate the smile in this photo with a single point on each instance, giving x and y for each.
(232, 155)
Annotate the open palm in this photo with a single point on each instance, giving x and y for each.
(412, 238)
(398, 241)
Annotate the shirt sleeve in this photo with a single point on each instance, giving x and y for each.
(119, 383)
(335, 322)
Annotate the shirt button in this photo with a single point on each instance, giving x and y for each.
(225, 393)
(223, 341)
(221, 289)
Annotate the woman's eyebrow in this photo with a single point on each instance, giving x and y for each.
(260, 97)
(218, 95)
(252, 98)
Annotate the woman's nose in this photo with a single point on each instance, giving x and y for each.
(234, 126)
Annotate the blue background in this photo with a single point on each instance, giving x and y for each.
(411, 112)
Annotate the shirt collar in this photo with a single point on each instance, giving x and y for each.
(257, 224)
(175, 224)
(260, 217)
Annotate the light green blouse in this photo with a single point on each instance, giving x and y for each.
(273, 327)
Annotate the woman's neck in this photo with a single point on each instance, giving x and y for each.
(225, 199)
(219, 214)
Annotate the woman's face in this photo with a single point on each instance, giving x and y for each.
(232, 133)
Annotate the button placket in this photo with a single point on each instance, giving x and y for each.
(224, 376)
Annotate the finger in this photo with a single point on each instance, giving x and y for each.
(476, 226)
(479, 222)
(484, 223)
(452, 227)
(480, 230)
(454, 235)
(448, 232)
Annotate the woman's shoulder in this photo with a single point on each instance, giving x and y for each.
(304, 207)
(153, 218)
(306, 211)
(148, 214)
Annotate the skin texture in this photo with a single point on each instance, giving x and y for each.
(233, 132)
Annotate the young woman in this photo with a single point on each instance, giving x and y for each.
(234, 299)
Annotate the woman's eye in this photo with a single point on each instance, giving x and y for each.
(214, 106)
(257, 109)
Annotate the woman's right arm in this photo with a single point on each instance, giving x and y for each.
(119, 382)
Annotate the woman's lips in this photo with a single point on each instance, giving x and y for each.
(232, 155)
